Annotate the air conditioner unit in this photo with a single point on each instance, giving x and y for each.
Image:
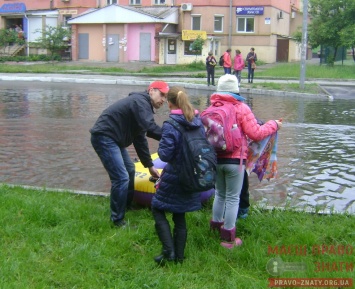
(186, 6)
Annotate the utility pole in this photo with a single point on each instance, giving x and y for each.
(230, 24)
(304, 44)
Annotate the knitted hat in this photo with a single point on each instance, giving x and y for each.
(228, 83)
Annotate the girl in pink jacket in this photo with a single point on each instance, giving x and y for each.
(231, 166)
(238, 65)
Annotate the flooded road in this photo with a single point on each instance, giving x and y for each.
(45, 141)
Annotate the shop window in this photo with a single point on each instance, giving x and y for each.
(218, 24)
(188, 49)
(159, 2)
(245, 24)
(196, 22)
(135, 2)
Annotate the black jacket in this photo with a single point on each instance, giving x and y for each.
(127, 121)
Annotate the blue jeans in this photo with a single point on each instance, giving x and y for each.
(227, 70)
(250, 72)
(121, 171)
(226, 201)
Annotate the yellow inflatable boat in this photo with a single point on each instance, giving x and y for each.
(144, 188)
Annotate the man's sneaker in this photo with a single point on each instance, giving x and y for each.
(120, 223)
(243, 213)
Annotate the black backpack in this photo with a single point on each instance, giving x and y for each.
(197, 172)
(221, 60)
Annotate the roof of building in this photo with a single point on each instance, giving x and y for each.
(124, 14)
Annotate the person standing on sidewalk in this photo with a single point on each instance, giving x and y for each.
(128, 120)
(238, 65)
(251, 59)
(210, 65)
(227, 61)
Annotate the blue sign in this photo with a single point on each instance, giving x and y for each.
(13, 8)
(250, 10)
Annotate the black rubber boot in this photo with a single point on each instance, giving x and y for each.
(165, 237)
(180, 237)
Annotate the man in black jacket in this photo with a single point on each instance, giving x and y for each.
(127, 121)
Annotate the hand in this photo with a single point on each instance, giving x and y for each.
(153, 171)
(279, 123)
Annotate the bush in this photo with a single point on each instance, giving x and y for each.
(31, 58)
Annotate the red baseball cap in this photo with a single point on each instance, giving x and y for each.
(161, 85)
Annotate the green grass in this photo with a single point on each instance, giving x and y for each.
(292, 70)
(63, 240)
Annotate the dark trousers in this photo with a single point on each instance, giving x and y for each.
(250, 72)
(173, 244)
(178, 219)
(210, 75)
(244, 194)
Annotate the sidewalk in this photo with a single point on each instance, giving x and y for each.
(179, 78)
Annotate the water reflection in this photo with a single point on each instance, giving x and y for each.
(44, 141)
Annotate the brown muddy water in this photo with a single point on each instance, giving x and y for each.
(45, 142)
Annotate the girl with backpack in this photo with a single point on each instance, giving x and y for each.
(170, 197)
(231, 165)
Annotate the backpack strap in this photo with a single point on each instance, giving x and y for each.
(175, 124)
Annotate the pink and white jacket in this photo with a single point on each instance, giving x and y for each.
(247, 123)
(238, 62)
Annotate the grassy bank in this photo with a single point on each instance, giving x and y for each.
(195, 69)
(62, 240)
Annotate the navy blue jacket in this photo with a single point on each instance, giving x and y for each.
(127, 121)
(169, 196)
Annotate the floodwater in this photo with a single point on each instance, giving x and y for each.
(45, 141)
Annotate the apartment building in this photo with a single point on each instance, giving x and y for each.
(163, 30)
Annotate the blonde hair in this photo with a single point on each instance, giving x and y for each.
(178, 97)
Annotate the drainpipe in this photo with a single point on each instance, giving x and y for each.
(27, 35)
(230, 25)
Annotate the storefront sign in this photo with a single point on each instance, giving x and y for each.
(13, 8)
(193, 34)
(250, 10)
(68, 12)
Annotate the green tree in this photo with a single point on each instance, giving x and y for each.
(54, 39)
(197, 45)
(331, 22)
(8, 37)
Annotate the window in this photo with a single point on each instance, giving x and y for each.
(218, 24)
(109, 2)
(196, 22)
(245, 24)
(188, 50)
(65, 20)
(159, 2)
(135, 2)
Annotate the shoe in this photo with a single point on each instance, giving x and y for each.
(120, 223)
(232, 244)
(243, 213)
(165, 256)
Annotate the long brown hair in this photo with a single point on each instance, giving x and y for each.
(177, 96)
